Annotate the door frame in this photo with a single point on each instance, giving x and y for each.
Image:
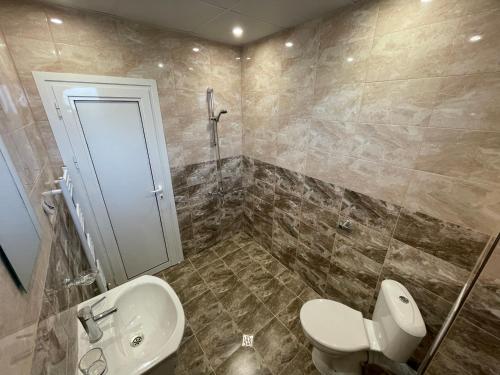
(108, 253)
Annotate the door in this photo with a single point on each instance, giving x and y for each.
(113, 138)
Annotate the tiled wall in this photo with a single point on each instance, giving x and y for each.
(204, 216)
(384, 113)
(297, 218)
(37, 328)
(473, 344)
(94, 43)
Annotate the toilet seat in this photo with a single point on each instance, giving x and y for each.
(334, 326)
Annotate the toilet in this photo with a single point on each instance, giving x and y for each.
(342, 338)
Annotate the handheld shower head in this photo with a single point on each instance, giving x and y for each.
(222, 112)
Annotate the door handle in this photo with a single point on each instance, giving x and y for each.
(158, 191)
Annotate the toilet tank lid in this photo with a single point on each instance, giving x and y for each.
(403, 308)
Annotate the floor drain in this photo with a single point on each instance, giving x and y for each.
(247, 340)
(136, 340)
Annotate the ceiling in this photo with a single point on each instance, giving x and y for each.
(214, 19)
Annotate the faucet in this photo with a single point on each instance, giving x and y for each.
(89, 320)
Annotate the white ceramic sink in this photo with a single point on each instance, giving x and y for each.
(147, 307)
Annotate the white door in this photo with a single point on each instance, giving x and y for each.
(115, 137)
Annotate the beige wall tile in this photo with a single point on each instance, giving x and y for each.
(33, 55)
(468, 102)
(405, 102)
(83, 28)
(470, 204)
(467, 56)
(337, 102)
(349, 24)
(416, 53)
(343, 62)
(24, 19)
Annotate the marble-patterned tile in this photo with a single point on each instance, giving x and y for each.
(203, 258)
(189, 286)
(263, 190)
(287, 223)
(237, 260)
(284, 247)
(262, 208)
(344, 62)
(322, 194)
(200, 173)
(466, 203)
(457, 245)
(467, 56)
(287, 202)
(264, 171)
(274, 295)
(309, 294)
(414, 53)
(292, 281)
(191, 359)
(250, 315)
(427, 271)
(345, 288)
(351, 23)
(315, 239)
(340, 102)
(482, 303)
(290, 317)
(216, 273)
(472, 348)
(322, 219)
(464, 102)
(234, 295)
(302, 364)
(244, 361)
(312, 265)
(289, 182)
(357, 264)
(202, 310)
(406, 102)
(220, 339)
(366, 241)
(177, 271)
(276, 345)
(227, 246)
(374, 213)
(24, 19)
(255, 277)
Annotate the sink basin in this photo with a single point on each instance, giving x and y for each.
(146, 331)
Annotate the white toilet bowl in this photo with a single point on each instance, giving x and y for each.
(342, 338)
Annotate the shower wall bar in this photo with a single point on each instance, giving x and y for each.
(214, 121)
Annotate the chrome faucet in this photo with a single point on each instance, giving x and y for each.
(89, 320)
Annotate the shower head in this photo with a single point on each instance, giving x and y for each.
(223, 111)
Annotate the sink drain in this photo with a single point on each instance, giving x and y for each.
(136, 340)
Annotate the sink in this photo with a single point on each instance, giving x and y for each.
(143, 336)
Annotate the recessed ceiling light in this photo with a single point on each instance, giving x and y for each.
(249, 58)
(237, 31)
(475, 38)
(350, 59)
(238, 58)
(160, 65)
(190, 68)
(425, 1)
(289, 44)
(196, 49)
(57, 21)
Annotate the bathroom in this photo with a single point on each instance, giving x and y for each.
(291, 152)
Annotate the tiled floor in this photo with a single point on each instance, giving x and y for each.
(238, 288)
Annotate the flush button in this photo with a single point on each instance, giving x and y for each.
(404, 299)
